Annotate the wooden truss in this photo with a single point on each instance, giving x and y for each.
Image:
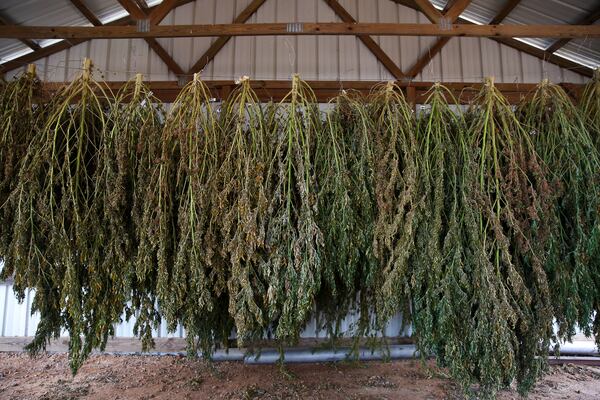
(444, 24)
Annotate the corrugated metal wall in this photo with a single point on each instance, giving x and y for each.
(323, 57)
(16, 320)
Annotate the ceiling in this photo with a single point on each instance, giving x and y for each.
(63, 13)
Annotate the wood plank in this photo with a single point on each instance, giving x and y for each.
(218, 44)
(377, 51)
(429, 10)
(504, 11)
(587, 20)
(276, 90)
(161, 11)
(453, 13)
(458, 8)
(27, 42)
(87, 13)
(138, 13)
(524, 47)
(282, 29)
(133, 9)
(58, 47)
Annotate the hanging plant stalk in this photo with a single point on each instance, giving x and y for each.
(346, 205)
(508, 330)
(18, 114)
(439, 280)
(397, 197)
(131, 154)
(562, 140)
(590, 107)
(241, 207)
(192, 273)
(59, 232)
(293, 270)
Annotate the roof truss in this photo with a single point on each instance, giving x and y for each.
(442, 27)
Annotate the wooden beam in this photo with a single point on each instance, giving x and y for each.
(504, 11)
(524, 47)
(308, 28)
(429, 10)
(29, 43)
(133, 9)
(587, 20)
(457, 8)
(218, 44)
(87, 13)
(276, 90)
(164, 56)
(377, 51)
(161, 11)
(58, 47)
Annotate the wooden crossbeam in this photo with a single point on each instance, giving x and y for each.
(452, 14)
(377, 51)
(587, 20)
(218, 44)
(307, 28)
(29, 43)
(276, 90)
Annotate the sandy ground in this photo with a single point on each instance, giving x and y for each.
(171, 377)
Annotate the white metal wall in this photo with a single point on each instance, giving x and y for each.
(16, 320)
(322, 57)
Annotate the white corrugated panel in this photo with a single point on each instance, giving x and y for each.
(15, 320)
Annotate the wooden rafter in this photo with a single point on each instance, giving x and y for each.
(503, 13)
(587, 20)
(307, 28)
(87, 13)
(429, 10)
(161, 11)
(64, 45)
(132, 8)
(29, 43)
(221, 41)
(138, 13)
(377, 51)
(452, 14)
(276, 90)
(521, 46)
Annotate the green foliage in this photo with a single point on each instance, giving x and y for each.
(564, 143)
(480, 227)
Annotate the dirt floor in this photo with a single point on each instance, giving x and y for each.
(172, 377)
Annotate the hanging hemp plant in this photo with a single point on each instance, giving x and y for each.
(508, 330)
(439, 277)
(131, 154)
(292, 271)
(18, 115)
(396, 193)
(346, 205)
(564, 143)
(589, 106)
(192, 273)
(241, 205)
(59, 235)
